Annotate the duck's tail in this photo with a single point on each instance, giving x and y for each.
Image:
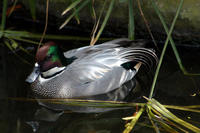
(142, 55)
(136, 52)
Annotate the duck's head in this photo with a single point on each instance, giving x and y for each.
(49, 60)
(49, 56)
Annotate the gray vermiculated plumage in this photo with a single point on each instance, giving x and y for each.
(96, 70)
(116, 95)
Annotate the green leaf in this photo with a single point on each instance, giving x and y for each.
(129, 126)
(3, 20)
(1, 34)
(172, 42)
(32, 5)
(166, 114)
(11, 48)
(14, 44)
(74, 13)
(164, 48)
(104, 22)
(131, 26)
(74, 4)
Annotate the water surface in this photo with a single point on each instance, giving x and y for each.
(172, 88)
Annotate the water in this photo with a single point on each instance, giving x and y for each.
(26, 117)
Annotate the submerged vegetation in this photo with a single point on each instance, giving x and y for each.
(158, 114)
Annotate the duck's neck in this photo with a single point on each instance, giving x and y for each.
(51, 69)
(52, 72)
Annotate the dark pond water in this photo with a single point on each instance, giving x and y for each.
(172, 88)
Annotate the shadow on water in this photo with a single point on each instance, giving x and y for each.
(22, 117)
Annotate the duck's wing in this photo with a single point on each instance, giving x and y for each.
(94, 78)
(122, 42)
(106, 70)
(83, 51)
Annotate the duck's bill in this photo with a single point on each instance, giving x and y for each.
(35, 73)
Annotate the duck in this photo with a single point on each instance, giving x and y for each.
(89, 70)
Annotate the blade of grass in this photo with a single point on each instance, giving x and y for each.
(95, 103)
(129, 126)
(154, 126)
(32, 5)
(3, 20)
(166, 113)
(110, 103)
(77, 16)
(164, 49)
(11, 49)
(74, 4)
(96, 24)
(15, 45)
(184, 108)
(12, 8)
(92, 9)
(81, 102)
(24, 40)
(192, 106)
(104, 22)
(46, 24)
(172, 42)
(165, 122)
(131, 25)
(24, 34)
(24, 50)
(147, 24)
(156, 116)
(168, 128)
(74, 13)
(93, 14)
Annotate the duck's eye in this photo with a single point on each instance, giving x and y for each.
(49, 56)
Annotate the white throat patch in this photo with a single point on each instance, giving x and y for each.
(52, 71)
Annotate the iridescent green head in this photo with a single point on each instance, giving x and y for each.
(49, 56)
